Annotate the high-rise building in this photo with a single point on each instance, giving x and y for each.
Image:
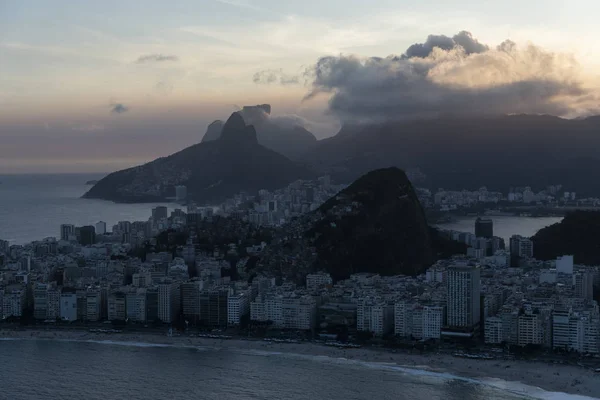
(521, 247)
(136, 305)
(159, 213)
(374, 316)
(213, 307)
(152, 304)
(564, 264)
(101, 228)
(117, 306)
(67, 231)
(238, 305)
(463, 297)
(68, 306)
(584, 285)
(484, 228)
(169, 301)
(87, 235)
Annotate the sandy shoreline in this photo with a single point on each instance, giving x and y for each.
(549, 377)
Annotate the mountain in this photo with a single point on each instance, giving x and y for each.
(212, 171)
(467, 153)
(576, 234)
(376, 225)
(275, 133)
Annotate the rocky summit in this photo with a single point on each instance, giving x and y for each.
(212, 171)
(275, 133)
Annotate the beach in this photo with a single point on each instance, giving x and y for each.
(547, 376)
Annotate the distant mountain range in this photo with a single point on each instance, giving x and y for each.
(212, 171)
(467, 153)
(291, 140)
(451, 153)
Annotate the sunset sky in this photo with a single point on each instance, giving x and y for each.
(102, 85)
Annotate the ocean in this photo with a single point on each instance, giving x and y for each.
(33, 207)
(504, 226)
(53, 370)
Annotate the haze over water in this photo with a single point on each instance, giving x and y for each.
(33, 207)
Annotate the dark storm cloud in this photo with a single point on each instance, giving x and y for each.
(118, 108)
(274, 76)
(462, 39)
(152, 58)
(455, 75)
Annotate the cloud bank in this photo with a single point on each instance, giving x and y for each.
(153, 58)
(454, 76)
(275, 76)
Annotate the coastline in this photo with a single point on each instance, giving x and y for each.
(527, 377)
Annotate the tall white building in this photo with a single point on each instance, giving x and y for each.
(433, 320)
(564, 264)
(530, 329)
(68, 306)
(373, 316)
(403, 318)
(493, 330)
(238, 305)
(101, 228)
(93, 305)
(13, 301)
(136, 305)
(117, 306)
(462, 296)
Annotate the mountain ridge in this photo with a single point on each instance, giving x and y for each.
(212, 171)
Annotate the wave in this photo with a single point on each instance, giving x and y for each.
(119, 343)
(516, 388)
(513, 387)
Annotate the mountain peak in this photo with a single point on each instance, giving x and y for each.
(235, 130)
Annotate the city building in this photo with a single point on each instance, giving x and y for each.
(68, 306)
(87, 235)
(168, 301)
(374, 316)
(463, 297)
(521, 247)
(101, 228)
(484, 228)
(583, 281)
(117, 306)
(238, 305)
(67, 232)
(564, 264)
(213, 307)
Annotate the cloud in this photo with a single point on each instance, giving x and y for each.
(260, 116)
(462, 39)
(153, 58)
(275, 76)
(456, 76)
(118, 108)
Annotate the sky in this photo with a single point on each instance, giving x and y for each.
(89, 86)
